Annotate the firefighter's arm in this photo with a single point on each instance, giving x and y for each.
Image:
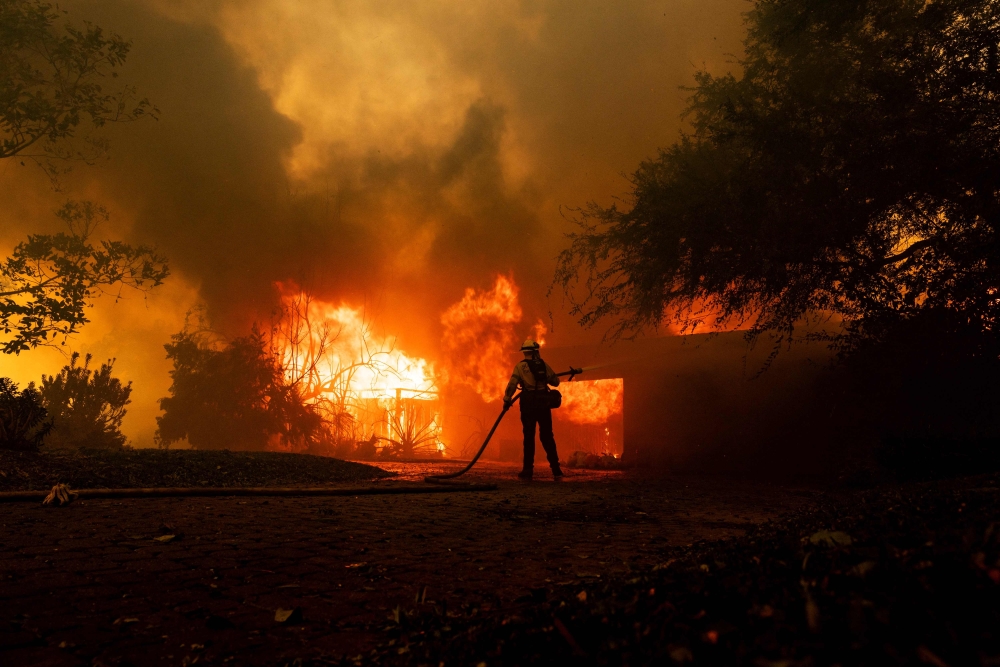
(515, 379)
(550, 376)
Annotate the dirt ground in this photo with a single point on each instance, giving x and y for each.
(101, 582)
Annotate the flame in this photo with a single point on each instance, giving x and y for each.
(361, 381)
(338, 348)
(479, 337)
(592, 402)
(369, 390)
(538, 332)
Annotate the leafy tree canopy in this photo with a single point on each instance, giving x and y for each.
(233, 396)
(53, 79)
(49, 281)
(86, 407)
(852, 170)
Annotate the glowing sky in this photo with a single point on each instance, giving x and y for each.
(388, 152)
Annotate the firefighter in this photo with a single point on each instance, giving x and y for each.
(534, 377)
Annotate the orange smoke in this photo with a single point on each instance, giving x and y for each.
(479, 338)
(592, 402)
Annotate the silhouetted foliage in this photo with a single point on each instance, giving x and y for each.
(50, 280)
(87, 407)
(234, 397)
(23, 423)
(51, 76)
(852, 170)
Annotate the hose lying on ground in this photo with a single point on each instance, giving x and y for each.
(443, 479)
(62, 495)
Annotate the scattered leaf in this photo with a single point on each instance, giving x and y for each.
(582, 596)
(681, 654)
(928, 657)
(165, 538)
(831, 538)
(288, 615)
(863, 568)
(664, 566)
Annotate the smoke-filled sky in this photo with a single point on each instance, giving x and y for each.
(387, 153)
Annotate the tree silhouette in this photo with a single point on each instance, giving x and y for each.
(51, 92)
(23, 419)
(851, 171)
(86, 407)
(50, 280)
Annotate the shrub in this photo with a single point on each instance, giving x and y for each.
(233, 397)
(87, 407)
(23, 423)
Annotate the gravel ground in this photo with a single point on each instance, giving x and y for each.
(183, 581)
(896, 576)
(129, 468)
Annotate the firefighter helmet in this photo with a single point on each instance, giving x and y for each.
(529, 345)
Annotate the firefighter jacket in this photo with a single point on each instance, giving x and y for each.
(523, 376)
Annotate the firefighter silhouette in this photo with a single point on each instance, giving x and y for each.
(534, 376)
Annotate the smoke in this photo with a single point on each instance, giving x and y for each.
(381, 153)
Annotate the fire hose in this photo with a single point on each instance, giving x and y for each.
(443, 479)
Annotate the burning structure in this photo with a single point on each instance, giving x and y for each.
(375, 400)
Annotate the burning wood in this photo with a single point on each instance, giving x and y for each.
(366, 390)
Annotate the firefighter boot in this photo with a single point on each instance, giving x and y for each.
(525, 474)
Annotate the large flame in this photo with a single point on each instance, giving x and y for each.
(479, 338)
(371, 391)
(335, 347)
(592, 402)
(361, 381)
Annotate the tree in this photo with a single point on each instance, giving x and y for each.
(51, 94)
(86, 407)
(51, 76)
(233, 396)
(50, 280)
(851, 171)
(23, 423)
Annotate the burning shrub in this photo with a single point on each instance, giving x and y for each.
(87, 407)
(375, 401)
(236, 397)
(411, 432)
(23, 423)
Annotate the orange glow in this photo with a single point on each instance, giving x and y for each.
(538, 332)
(370, 391)
(479, 337)
(358, 380)
(593, 402)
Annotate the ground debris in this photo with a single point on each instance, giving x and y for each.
(905, 575)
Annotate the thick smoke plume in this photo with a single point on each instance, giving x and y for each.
(383, 153)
